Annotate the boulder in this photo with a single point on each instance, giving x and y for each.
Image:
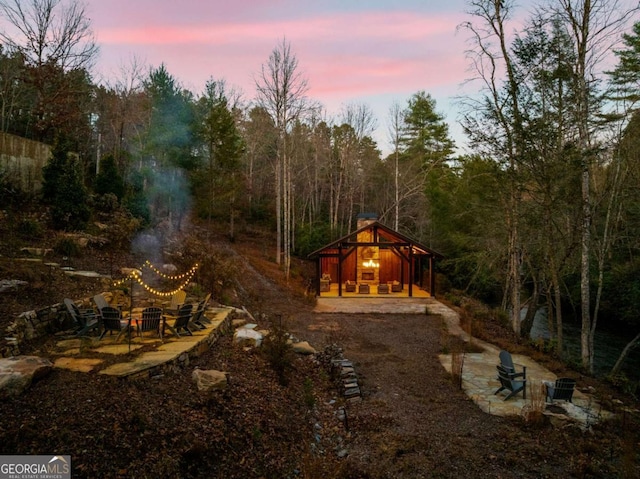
(18, 373)
(248, 337)
(11, 284)
(207, 379)
(303, 347)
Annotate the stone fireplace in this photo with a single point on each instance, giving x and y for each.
(368, 268)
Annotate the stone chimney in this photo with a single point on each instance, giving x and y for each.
(367, 269)
(366, 219)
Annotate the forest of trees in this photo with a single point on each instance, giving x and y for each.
(543, 211)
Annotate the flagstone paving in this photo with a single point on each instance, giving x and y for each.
(140, 355)
(479, 381)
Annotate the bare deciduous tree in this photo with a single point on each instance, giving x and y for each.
(281, 91)
(49, 31)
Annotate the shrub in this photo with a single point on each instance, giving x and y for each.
(29, 228)
(64, 189)
(67, 247)
(278, 350)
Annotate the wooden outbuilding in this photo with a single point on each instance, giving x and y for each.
(375, 260)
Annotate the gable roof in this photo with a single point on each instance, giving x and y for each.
(386, 235)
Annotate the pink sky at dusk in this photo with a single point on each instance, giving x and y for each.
(350, 51)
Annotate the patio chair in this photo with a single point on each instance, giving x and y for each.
(350, 287)
(511, 381)
(177, 300)
(111, 319)
(181, 322)
(198, 317)
(562, 389)
(85, 320)
(150, 321)
(506, 361)
(100, 301)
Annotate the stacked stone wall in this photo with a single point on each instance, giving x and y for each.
(35, 324)
(22, 161)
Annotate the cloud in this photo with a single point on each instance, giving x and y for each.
(339, 53)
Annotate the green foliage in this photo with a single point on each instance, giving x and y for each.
(29, 228)
(136, 201)
(216, 182)
(626, 75)
(278, 350)
(67, 247)
(309, 238)
(109, 180)
(623, 383)
(309, 397)
(426, 136)
(107, 203)
(64, 189)
(621, 292)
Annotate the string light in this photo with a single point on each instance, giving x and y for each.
(155, 269)
(136, 275)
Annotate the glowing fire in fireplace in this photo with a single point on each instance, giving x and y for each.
(370, 264)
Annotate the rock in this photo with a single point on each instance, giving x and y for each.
(11, 284)
(236, 323)
(303, 347)
(17, 373)
(207, 379)
(248, 337)
(36, 251)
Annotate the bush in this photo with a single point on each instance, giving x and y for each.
(29, 228)
(67, 247)
(64, 189)
(278, 350)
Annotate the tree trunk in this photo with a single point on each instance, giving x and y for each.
(623, 355)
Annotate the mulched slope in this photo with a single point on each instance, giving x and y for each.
(167, 428)
(412, 423)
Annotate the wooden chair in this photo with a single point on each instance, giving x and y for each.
(100, 301)
(84, 320)
(512, 382)
(111, 319)
(506, 361)
(181, 321)
(198, 318)
(562, 389)
(150, 321)
(177, 301)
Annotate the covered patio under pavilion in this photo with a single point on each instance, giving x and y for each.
(375, 261)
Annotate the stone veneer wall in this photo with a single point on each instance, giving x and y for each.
(35, 324)
(23, 160)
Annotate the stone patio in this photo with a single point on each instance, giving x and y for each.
(145, 356)
(479, 381)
